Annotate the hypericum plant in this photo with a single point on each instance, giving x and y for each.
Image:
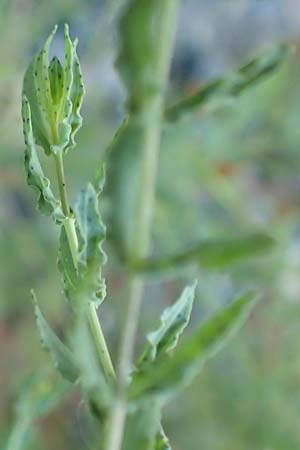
(126, 402)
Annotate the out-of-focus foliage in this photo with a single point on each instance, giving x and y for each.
(224, 171)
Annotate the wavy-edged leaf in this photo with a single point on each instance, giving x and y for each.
(66, 264)
(91, 254)
(172, 323)
(233, 84)
(35, 88)
(212, 254)
(168, 374)
(62, 357)
(55, 94)
(76, 96)
(47, 203)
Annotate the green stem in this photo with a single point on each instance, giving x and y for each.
(19, 432)
(69, 224)
(62, 184)
(100, 343)
(142, 232)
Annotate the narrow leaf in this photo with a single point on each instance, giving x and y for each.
(124, 166)
(55, 95)
(92, 380)
(232, 85)
(91, 254)
(168, 374)
(62, 357)
(47, 203)
(142, 62)
(66, 264)
(212, 254)
(173, 321)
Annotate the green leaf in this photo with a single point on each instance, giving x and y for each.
(142, 427)
(47, 203)
(35, 88)
(39, 395)
(124, 164)
(161, 441)
(232, 85)
(62, 357)
(173, 321)
(66, 265)
(211, 254)
(56, 74)
(96, 390)
(140, 29)
(168, 374)
(91, 254)
(143, 62)
(55, 95)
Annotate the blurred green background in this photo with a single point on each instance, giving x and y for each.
(230, 168)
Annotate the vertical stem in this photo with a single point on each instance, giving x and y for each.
(151, 145)
(18, 433)
(100, 343)
(69, 224)
(62, 184)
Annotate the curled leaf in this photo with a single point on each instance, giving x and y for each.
(91, 256)
(173, 321)
(47, 203)
(55, 95)
(167, 375)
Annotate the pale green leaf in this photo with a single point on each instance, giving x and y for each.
(55, 95)
(167, 374)
(143, 65)
(138, 58)
(62, 357)
(161, 441)
(142, 427)
(173, 321)
(123, 165)
(56, 78)
(233, 84)
(66, 264)
(96, 390)
(35, 89)
(38, 396)
(91, 254)
(47, 203)
(212, 254)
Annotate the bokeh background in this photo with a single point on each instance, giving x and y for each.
(234, 166)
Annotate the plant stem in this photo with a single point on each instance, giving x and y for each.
(100, 343)
(142, 232)
(69, 224)
(19, 432)
(62, 184)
